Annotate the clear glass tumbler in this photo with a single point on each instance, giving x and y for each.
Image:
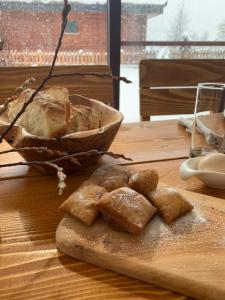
(208, 132)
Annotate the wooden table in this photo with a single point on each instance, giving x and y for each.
(30, 265)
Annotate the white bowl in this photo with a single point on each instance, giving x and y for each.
(212, 179)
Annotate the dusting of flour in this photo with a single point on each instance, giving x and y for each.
(155, 235)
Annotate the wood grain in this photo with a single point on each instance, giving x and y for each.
(181, 72)
(170, 72)
(51, 275)
(89, 86)
(148, 141)
(167, 102)
(29, 211)
(29, 264)
(187, 256)
(17, 171)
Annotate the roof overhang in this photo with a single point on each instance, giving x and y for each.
(39, 6)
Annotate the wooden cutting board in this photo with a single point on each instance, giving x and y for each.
(187, 257)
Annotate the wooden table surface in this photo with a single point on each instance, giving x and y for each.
(30, 265)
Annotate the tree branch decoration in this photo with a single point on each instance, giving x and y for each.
(65, 13)
(73, 158)
(53, 163)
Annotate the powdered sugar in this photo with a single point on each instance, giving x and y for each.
(186, 223)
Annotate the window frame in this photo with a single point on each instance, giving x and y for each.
(114, 44)
(76, 27)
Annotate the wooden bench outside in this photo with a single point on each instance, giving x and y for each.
(174, 72)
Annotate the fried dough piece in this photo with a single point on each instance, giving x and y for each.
(83, 118)
(144, 181)
(81, 203)
(110, 177)
(170, 204)
(45, 116)
(126, 209)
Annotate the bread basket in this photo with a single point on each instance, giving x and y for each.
(97, 139)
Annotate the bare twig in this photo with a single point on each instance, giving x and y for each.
(42, 150)
(74, 158)
(102, 75)
(65, 155)
(53, 163)
(65, 13)
(62, 178)
(35, 149)
(1, 44)
(50, 75)
(60, 174)
(90, 153)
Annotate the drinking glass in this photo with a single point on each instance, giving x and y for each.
(208, 132)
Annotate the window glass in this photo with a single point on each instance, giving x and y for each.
(72, 27)
(166, 21)
(29, 32)
(193, 20)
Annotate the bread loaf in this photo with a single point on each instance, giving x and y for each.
(83, 118)
(61, 95)
(46, 116)
(51, 113)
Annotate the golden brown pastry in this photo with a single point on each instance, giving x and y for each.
(110, 177)
(126, 209)
(144, 181)
(45, 116)
(83, 118)
(81, 203)
(170, 204)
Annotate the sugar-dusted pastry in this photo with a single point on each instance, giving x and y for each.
(126, 209)
(111, 177)
(81, 203)
(170, 204)
(144, 181)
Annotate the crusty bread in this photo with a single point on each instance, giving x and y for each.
(51, 113)
(61, 95)
(83, 118)
(45, 116)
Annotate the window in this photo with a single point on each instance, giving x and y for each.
(72, 27)
(167, 29)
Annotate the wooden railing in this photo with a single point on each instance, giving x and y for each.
(40, 58)
(174, 43)
(129, 55)
(197, 54)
